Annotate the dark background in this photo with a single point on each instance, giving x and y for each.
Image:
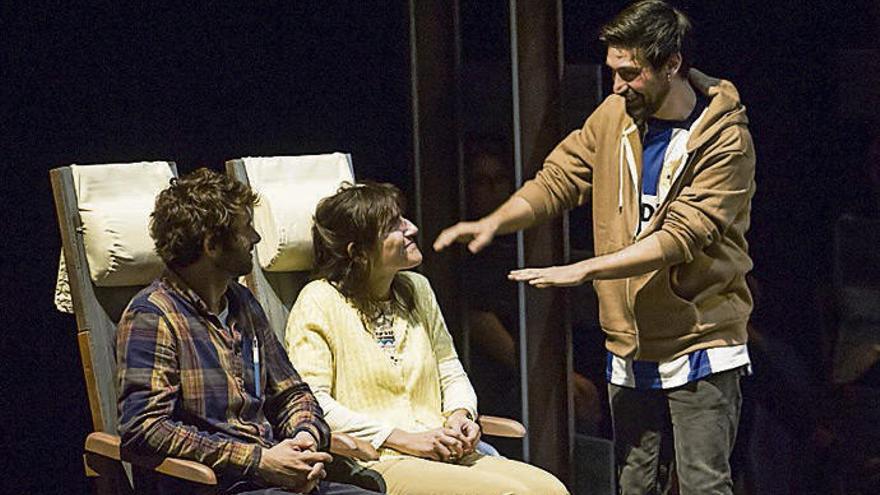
(104, 82)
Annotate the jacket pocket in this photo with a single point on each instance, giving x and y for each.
(712, 284)
(614, 315)
(661, 312)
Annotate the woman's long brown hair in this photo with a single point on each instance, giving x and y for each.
(359, 215)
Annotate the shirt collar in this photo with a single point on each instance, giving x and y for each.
(176, 284)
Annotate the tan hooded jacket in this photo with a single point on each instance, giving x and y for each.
(700, 300)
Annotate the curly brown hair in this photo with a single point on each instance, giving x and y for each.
(359, 215)
(201, 205)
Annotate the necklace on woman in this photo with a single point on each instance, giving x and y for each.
(381, 325)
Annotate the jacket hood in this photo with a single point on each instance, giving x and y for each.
(724, 109)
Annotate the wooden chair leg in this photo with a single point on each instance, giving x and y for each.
(108, 476)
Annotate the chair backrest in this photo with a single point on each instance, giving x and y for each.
(103, 213)
(289, 188)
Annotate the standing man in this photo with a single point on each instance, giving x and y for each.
(668, 165)
(201, 375)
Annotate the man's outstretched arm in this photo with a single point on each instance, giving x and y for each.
(642, 257)
(514, 214)
(564, 182)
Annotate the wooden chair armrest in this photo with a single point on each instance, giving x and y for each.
(349, 446)
(107, 445)
(501, 427)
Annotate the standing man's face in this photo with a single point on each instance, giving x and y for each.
(644, 88)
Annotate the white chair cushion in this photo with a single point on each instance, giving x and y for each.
(115, 202)
(290, 188)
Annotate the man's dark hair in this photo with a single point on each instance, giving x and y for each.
(203, 204)
(653, 30)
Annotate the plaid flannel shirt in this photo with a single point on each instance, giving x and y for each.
(186, 384)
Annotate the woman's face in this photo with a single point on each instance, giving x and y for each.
(397, 250)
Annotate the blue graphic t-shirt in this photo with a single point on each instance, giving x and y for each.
(655, 145)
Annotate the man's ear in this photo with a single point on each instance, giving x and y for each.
(673, 64)
(210, 245)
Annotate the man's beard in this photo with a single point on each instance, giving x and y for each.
(640, 108)
(637, 107)
(237, 260)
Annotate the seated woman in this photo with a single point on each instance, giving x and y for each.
(369, 339)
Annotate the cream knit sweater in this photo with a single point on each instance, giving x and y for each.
(360, 390)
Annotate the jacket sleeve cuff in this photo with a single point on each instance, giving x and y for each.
(674, 251)
(534, 195)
